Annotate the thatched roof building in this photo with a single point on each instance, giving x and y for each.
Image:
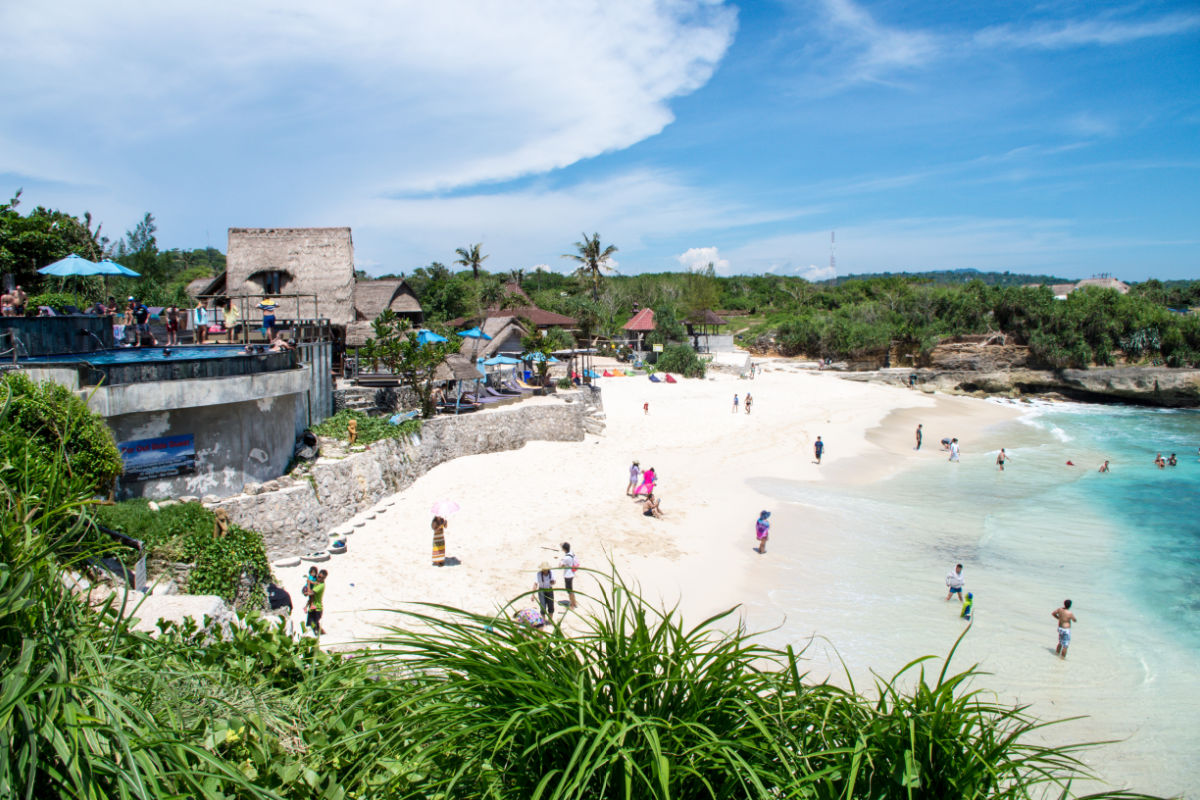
(372, 298)
(314, 261)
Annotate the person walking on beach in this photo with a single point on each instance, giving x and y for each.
(968, 607)
(316, 603)
(646, 408)
(439, 541)
(919, 437)
(1001, 457)
(570, 565)
(955, 582)
(543, 584)
(749, 400)
(735, 404)
(818, 449)
(954, 449)
(1065, 617)
(762, 531)
(635, 474)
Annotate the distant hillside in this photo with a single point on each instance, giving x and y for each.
(957, 276)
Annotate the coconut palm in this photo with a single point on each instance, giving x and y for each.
(593, 261)
(471, 257)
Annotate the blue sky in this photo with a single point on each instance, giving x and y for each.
(1034, 137)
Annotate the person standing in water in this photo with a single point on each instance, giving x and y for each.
(920, 436)
(1001, 457)
(1104, 467)
(954, 449)
(1065, 617)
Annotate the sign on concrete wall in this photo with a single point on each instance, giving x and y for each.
(164, 457)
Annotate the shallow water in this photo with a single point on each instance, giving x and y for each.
(865, 567)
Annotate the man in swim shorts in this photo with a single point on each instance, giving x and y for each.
(1065, 617)
(818, 449)
(955, 582)
(1001, 458)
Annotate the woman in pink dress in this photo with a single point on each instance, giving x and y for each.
(648, 481)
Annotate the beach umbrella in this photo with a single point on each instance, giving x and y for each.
(443, 508)
(425, 336)
(70, 266)
(113, 268)
(507, 360)
(474, 333)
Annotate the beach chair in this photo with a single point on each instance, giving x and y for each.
(655, 379)
(670, 379)
(607, 374)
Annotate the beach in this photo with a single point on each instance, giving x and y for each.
(859, 549)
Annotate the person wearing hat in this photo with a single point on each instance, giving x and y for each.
(968, 606)
(543, 584)
(762, 530)
(635, 477)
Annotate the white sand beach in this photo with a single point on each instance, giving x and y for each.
(716, 471)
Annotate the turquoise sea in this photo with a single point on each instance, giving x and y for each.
(863, 569)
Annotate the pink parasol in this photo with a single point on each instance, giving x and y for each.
(444, 508)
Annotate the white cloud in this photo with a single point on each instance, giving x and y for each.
(386, 96)
(875, 51)
(1058, 34)
(697, 259)
(815, 273)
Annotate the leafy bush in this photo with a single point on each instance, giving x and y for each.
(682, 359)
(370, 429)
(56, 300)
(53, 423)
(184, 532)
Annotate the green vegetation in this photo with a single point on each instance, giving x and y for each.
(370, 429)
(46, 421)
(682, 359)
(184, 533)
(395, 345)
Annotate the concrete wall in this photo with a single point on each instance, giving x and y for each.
(318, 400)
(294, 514)
(235, 443)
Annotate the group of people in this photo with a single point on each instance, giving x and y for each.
(641, 488)
(314, 607)
(12, 304)
(1162, 464)
(955, 583)
(543, 586)
(749, 402)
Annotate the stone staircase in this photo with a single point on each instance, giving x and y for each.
(593, 420)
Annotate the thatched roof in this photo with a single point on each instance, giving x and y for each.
(706, 317)
(315, 261)
(372, 297)
(502, 330)
(457, 367)
(206, 287)
(539, 317)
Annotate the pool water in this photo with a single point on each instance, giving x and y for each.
(138, 355)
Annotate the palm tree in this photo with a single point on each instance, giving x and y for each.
(593, 262)
(471, 257)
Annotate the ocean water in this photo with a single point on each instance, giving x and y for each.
(862, 569)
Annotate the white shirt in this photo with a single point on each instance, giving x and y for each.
(544, 580)
(955, 580)
(569, 564)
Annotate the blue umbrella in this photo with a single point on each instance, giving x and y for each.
(428, 336)
(71, 265)
(494, 360)
(474, 333)
(113, 268)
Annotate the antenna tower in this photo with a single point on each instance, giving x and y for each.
(832, 252)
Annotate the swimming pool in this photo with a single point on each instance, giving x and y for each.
(149, 364)
(141, 355)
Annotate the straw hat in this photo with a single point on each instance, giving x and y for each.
(544, 567)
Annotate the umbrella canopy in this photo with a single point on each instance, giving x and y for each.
(425, 336)
(494, 360)
(474, 333)
(113, 268)
(71, 265)
(443, 508)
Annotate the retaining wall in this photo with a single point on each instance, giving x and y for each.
(295, 515)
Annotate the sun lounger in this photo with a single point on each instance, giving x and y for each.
(670, 379)
(607, 374)
(462, 408)
(655, 378)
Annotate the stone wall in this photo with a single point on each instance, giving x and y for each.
(295, 516)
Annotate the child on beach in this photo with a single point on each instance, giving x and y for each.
(762, 530)
(735, 404)
(749, 400)
(646, 408)
(818, 449)
(635, 474)
(316, 603)
(543, 584)
(967, 607)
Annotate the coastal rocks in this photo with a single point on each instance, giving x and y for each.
(1150, 386)
(294, 519)
(978, 357)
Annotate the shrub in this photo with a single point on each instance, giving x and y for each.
(370, 429)
(682, 359)
(184, 532)
(53, 423)
(56, 300)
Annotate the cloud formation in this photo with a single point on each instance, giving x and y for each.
(697, 259)
(407, 97)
